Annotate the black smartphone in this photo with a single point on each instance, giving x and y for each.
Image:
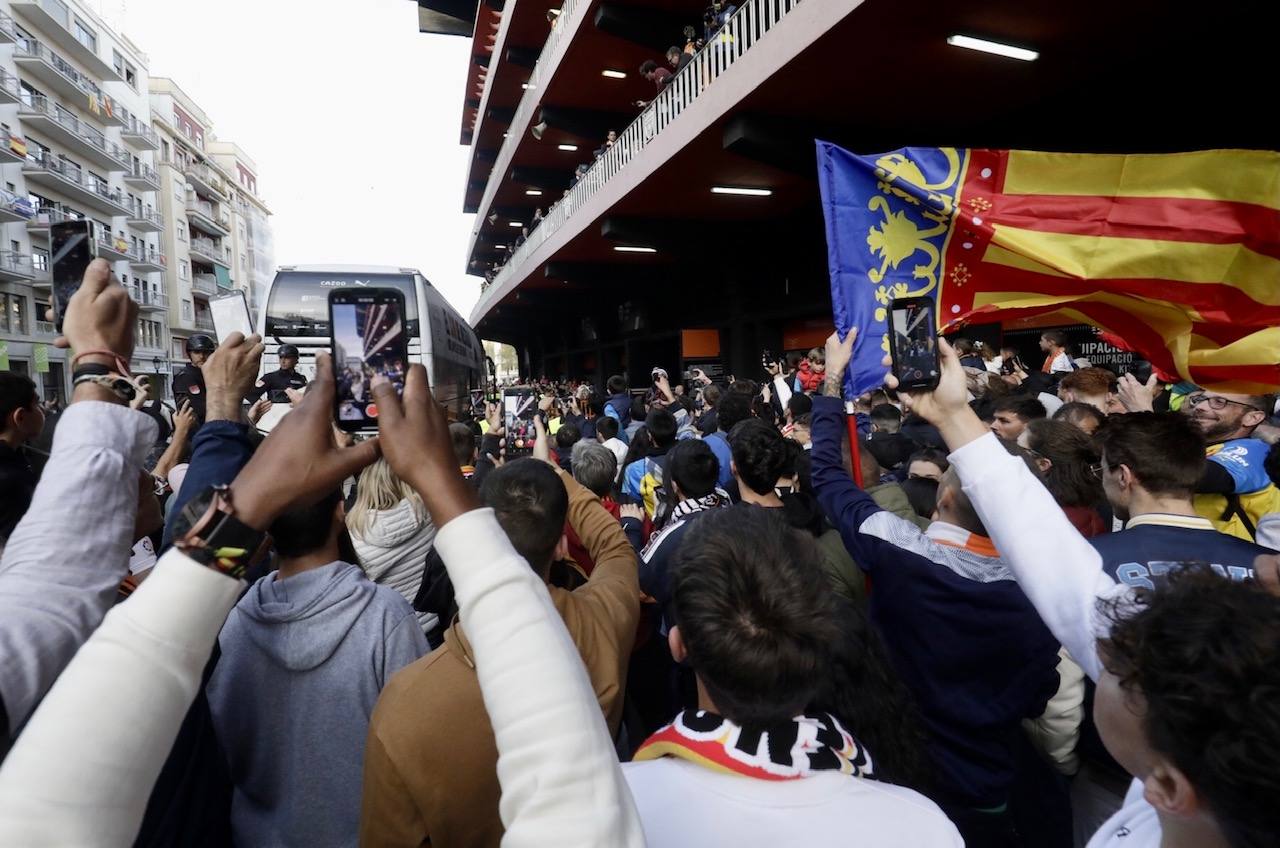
(72, 248)
(519, 406)
(369, 339)
(913, 343)
(767, 359)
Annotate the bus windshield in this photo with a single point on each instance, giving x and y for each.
(299, 302)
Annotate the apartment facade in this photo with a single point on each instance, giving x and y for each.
(75, 143)
(252, 250)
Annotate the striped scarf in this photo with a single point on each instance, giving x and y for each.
(801, 747)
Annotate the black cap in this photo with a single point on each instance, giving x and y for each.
(200, 343)
(288, 350)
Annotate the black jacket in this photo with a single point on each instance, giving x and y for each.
(17, 487)
(188, 386)
(276, 382)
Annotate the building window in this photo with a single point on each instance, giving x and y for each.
(164, 150)
(117, 62)
(131, 77)
(85, 36)
(18, 315)
(4, 312)
(182, 269)
(182, 230)
(39, 259)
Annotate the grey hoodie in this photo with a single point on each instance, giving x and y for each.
(303, 660)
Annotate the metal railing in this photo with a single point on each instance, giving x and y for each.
(34, 49)
(10, 83)
(752, 22)
(150, 255)
(206, 175)
(532, 96)
(6, 26)
(145, 172)
(46, 328)
(79, 177)
(205, 209)
(114, 243)
(204, 322)
(204, 283)
(134, 127)
(147, 297)
(47, 215)
(16, 263)
(44, 106)
(15, 205)
(208, 249)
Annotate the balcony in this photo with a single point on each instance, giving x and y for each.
(204, 321)
(12, 147)
(54, 18)
(205, 180)
(8, 35)
(139, 136)
(77, 136)
(143, 177)
(38, 224)
(754, 20)
(113, 248)
(204, 218)
(14, 208)
(202, 249)
(145, 219)
(148, 260)
(61, 176)
(204, 284)
(46, 328)
(16, 267)
(58, 74)
(10, 91)
(149, 299)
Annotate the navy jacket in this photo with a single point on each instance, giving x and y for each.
(959, 630)
(1153, 544)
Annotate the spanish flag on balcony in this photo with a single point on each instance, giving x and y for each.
(1174, 256)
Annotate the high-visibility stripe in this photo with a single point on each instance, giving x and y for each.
(1241, 176)
(1169, 219)
(1101, 258)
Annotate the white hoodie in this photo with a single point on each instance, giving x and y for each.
(393, 552)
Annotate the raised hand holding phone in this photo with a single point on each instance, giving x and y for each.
(369, 340)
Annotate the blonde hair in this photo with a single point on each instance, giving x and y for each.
(379, 489)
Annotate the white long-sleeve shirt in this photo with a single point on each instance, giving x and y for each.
(561, 782)
(66, 558)
(1061, 574)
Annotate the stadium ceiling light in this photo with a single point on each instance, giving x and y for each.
(554, 12)
(500, 246)
(993, 47)
(533, 192)
(514, 224)
(745, 192)
(627, 248)
(612, 74)
(567, 148)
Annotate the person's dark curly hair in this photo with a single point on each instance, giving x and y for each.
(1202, 653)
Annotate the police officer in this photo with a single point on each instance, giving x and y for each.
(285, 377)
(188, 385)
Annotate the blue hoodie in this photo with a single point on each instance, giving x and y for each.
(303, 660)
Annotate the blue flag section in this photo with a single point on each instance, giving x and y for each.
(887, 217)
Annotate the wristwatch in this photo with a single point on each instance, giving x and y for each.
(106, 378)
(208, 531)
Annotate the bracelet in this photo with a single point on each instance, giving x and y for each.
(92, 368)
(113, 383)
(121, 364)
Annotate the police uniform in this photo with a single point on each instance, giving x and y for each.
(188, 385)
(276, 381)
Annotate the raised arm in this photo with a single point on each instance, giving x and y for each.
(554, 749)
(1060, 573)
(66, 558)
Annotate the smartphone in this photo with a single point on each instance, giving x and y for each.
(913, 343)
(369, 339)
(767, 359)
(72, 248)
(519, 406)
(230, 315)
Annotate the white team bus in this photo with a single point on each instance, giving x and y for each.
(297, 313)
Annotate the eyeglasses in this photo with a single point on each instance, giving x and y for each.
(1215, 402)
(1096, 470)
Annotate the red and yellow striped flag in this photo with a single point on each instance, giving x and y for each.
(1174, 256)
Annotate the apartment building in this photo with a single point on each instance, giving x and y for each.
(252, 254)
(75, 143)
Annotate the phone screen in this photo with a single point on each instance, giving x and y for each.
(369, 340)
(71, 244)
(518, 408)
(230, 315)
(914, 340)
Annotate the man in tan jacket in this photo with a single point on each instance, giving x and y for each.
(430, 760)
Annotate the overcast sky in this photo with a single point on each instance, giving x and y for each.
(351, 114)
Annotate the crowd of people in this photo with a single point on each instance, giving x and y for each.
(695, 614)
(693, 38)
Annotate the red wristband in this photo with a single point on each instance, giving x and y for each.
(122, 365)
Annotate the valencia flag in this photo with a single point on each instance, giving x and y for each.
(1174, 256)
